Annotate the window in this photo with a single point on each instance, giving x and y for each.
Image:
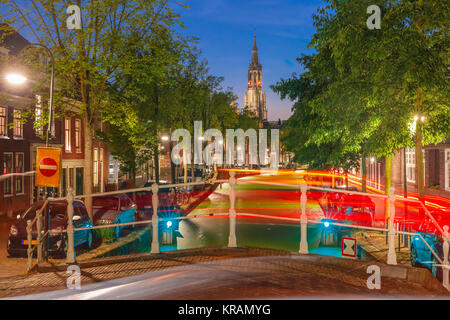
(38, 128)
(18, 125)
(78, 135)
(7, 169)
(72, 178)
(19, 169)
(411, 164)
(3, 120)
(67, 135)
(101, 169)
(95, 167)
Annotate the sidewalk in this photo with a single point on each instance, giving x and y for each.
(313, 274)
(374, 243)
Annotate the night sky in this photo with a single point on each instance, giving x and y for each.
(225, 28)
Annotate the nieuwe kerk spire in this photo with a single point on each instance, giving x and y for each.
(255, 97)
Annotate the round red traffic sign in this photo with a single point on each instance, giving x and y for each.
(48, 167)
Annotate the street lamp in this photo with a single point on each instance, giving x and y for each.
(17, 79)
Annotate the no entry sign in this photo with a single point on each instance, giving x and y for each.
(348, 247)
(48, 168)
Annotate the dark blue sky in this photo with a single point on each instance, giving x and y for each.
(225, 28)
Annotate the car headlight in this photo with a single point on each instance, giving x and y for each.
(55, 232)
(13, 230)
(105, 221)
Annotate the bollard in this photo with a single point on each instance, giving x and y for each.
(232, 242)
(445, 269)
(38, 238)
(392, 257)
(303, 221)
(70, 258)
(155, 232)
(29, 250)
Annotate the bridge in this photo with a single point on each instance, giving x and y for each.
(260, 225)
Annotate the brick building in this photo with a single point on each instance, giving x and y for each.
(436, 167)
(18, 143)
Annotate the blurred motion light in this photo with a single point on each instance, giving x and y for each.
(16, 79)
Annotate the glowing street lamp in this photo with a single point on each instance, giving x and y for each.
(16, 79)
(165, 138)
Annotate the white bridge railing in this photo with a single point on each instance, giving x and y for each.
(232, 215)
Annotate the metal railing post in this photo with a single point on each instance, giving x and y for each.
(392, 256)
(38, 238)
(29, 250)
(445, 269)
(303, 221)
(70, 258)
(155, 231)
(232, 242)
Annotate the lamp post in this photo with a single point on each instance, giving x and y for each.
(17, 79)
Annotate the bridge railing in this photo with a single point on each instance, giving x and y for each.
(302, 219)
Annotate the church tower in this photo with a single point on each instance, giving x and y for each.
(255, 98)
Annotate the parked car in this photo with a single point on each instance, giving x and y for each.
(114, 209)
(420, 254)
(18, 241)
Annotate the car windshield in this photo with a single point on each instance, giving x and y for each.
(58, 210)
(108, 203)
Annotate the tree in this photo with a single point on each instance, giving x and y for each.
(377, 80)
(87, 60)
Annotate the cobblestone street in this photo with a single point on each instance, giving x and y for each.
(253, 273)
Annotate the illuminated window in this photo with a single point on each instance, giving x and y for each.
(78, 135)
(101, 169)
(7, 169)
(67, 135)
(19, 169)
(39, 129)
(95, 167)
(18, 125)
(411, 164)
(3, 121)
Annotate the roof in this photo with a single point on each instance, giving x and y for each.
(11, 39)
(255, 61)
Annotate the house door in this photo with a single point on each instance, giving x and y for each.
(434, 167)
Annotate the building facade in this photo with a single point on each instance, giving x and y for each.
(403, 164)
(20, 137)
(255, 97)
